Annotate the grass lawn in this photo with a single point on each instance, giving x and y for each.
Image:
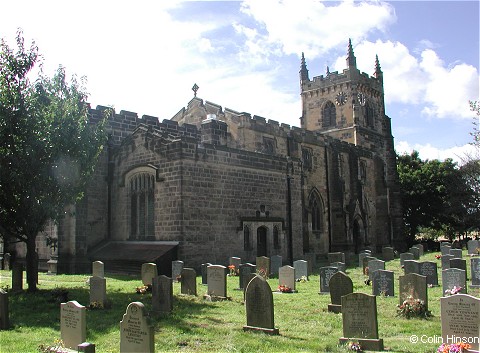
(197, 325)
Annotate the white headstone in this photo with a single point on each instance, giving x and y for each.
(136, 335)
(149, 272)
(98, 269)
(73, 325)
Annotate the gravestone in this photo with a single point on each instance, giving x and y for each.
(98, 290)
(275, 263)
(336, 257)
(445, 249)
(340, 265)
(149, 271)
(217, 281)
(301, 269)
(388, 253)
(325, 274)
(4, 313)
(73, 324)
(188, 283)
(259, 307)
(177, 267)
(17, 277)
(411, 266)
(340, 284)
(235, 261)
(86, 347)
(375, 265)
(446, 261)
(359, 314)
(413, 285)
(263, 266)
(460, 264)
(136, 335)
(245, 271)
(456, 253)
(405, 256)
(361, 256)
(415, 252)
(453, 277)
(366, 259)
(429, 269)
(475, 272)
(473, 247)
(383, 283)
(460, 317)
(420, 249)
(162, 294)
(204, 272)
(286, 277)
(98, 269)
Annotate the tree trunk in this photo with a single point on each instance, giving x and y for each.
(32, 264)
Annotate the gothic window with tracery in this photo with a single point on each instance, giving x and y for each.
(316, 214)
(329, 114)
(369, 116)
(307, 158)
(142, 206)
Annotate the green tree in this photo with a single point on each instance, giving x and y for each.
(48, 147)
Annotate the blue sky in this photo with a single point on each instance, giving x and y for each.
(145, 56)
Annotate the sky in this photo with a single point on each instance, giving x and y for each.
(145, 56)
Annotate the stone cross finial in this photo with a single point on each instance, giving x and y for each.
(195, 89)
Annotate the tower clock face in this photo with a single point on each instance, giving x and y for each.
(361, 99)
(341, 98)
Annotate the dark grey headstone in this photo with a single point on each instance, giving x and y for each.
(365, 260)
(325, 274)
(336, 257)
(204, 272)
(460, 264)
(411, 266)
(275, 263)
(446, 261)
(429, 269)
(453, 277)
(301, 269)
(188, 281)
(456, 253)
(388, 253)
(420, 249)
(375, 265)
(473, 247)
(383, 283)
(340, 265)
(413, 285)
(405, 256)
(340, 284)
(162, 294)
(243, 276)
(445, 249)
(415, 251)
(475, 272)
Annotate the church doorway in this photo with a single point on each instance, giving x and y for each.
(262, 241)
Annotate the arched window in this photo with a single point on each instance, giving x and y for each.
(276, 238)
(142, 206)
(329, 115)
(246, 238)
(369, 116)
(316, 215)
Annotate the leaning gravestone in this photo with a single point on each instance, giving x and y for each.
(259, 307)
(473, 247)
(375, 265)
(405, 256)
(475, 272)
(286, 277)
(388, 253)
(4, 314)
(383, 283)
(263, 266)
(149, 271)
(275, 263)
(136, 335)
(411, 266)
(340, 265)
(301, 269)
(336, 257)
(204, 272)
(325, 274)
(98, 290)
(162, 295)
(429, 269)
(177, 267)
(446, 261)
(359, 314)
(217, 281)
(340, 284)
(413, 285)
(460, 316)
(73, 325)
(98, 269)
(188, 282)
(17, 277)
(243, 278)
(453, 277)
(456, 253)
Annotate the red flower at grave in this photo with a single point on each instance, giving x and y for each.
(438, 256)
(284, 289)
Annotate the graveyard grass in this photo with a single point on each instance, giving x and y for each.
(197, 325)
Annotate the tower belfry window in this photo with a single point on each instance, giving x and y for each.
(329, 115)
(142, 206)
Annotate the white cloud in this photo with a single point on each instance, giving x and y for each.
(427, 151)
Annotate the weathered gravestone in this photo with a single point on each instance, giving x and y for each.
(245, 270)
(325, 274)
(429, 269)
(336, 257)
(301, 269)
(340, 284)
(263, 266)
(259, 307)
(98, 291)
(383, 283)
(235, 261)
(446, 261)
(188, 283)
(388, 253)
(445, 249)
(375, 265)
(98, 269)
(473, 247)
(453, 277)
(204, 272)
(475, 272)
(177, 267)
(460, 316)
(149, 272)
(365, 260)
(359, 314)
(413, 285)
(275, 263)
(456, 253)
(4, 313)
(73, 324)
(405, 256)
(217, 281)
(460, 264)
(162, 295)
(415, 251)
(136, 335)
(340, 265)
(17, 277)
(286, 277)
(411, 266)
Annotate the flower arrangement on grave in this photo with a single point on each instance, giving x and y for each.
(302, 279)
(354, 346)
(57, 347)
(453, 291)
(453, 348)
(233, 270)
(144, 289)
(438, 256)
(284, 289)
(412, 307)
